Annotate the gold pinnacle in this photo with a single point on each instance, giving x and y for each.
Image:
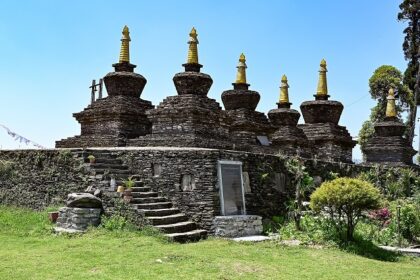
(241, 74)
(322, 82)
(390, 104)
(192, 49)
(125, 46)
(284, 90)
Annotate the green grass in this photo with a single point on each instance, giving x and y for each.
(28, 250)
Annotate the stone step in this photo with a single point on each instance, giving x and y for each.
(144, 194)
(136, 183)
(177, 227)
(111, 171)
(109, 166)
(152, 206)
(189, 236)
(139, 189)
(148, 199)
(108, 160)
(166, 220)
(160, 212)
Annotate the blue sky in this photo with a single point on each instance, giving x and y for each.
(51, 50)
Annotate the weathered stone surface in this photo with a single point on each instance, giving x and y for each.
(237, 226)
(188, 119)
(288, 139)
(192, 83)
(77, 219)
(328, 140)
(83, 200)
(124, 83)
(321, 111)
(43, 177)
(237, 99)
(388, 145)
(110, 121)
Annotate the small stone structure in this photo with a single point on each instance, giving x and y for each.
(82, 211)
(110, 121)
(77, 219)
(237, 226)
(329, 140)
(288, 139)
(240, 104)
(388, 144)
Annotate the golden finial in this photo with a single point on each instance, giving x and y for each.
(390, 105)
(322, 82)
(125, 46)
(284, 90)
(241, 74)
(193, 50)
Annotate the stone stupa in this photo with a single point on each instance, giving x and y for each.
(111, 121)
(288, 139)
(388, 144)
(246, 124)
(329, 141)
(189, 119)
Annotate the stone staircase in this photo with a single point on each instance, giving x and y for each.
(158, 210)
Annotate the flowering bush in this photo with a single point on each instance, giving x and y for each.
(381, 216)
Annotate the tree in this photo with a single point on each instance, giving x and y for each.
(382, 80)
(344, 199)
(410, 12)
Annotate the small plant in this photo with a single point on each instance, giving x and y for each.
(129, 183)
(91, 158)
(344, 199)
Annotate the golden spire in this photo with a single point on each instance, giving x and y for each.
(284, 90)
(192, 50)
(322, 82)
(390, 105)
(241, 74)
(125, 46)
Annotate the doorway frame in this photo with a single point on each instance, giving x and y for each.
(220, 182)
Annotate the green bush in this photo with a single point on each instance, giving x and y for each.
(410, 221)
(344, 199)
(394, 182)
(116, 223)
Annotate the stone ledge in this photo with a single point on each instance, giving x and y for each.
(237, 226)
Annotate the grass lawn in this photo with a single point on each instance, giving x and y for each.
(28, 250)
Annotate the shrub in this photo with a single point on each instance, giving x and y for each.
(409, 221)
(344, 199)
(394, 182)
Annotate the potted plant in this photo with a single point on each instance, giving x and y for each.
(91, 159)
(128, 184)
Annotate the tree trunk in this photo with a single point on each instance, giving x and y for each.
(413, 111)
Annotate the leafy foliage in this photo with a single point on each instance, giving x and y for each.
(384, 78)
(394, 182)
(344, 199)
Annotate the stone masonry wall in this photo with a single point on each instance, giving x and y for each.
(186, 176)
(38, 178)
